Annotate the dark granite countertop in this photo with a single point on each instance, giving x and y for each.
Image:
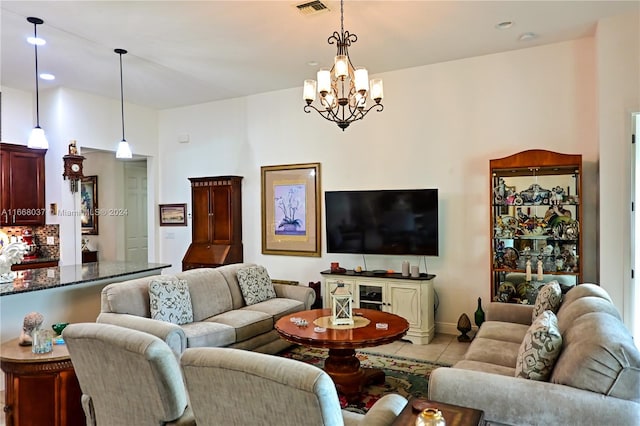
(60, 276)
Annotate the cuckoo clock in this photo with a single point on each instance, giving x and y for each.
(73, 166)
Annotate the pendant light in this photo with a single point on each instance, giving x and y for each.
(37, 139)
(124, 151)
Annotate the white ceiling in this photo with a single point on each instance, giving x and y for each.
(189, 52)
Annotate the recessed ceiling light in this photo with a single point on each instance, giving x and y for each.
(47, 76)
(312, 63)
(527, 36)
(36, 40)
(504, 25)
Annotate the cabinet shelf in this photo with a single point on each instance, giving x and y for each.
(535, 190)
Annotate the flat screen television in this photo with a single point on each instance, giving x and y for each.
(392, 222)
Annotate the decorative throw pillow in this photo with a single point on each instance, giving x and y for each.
(170, 300)
(255, 284)
(540, 348)
(548, 299)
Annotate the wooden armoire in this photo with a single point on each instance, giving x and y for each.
(216, 234)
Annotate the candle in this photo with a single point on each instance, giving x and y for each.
(405, 269)
(540, 270)
(528, 271)
(415, 272)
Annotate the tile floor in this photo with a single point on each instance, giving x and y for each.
(444, 348)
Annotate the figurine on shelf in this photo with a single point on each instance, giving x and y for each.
(73, 149)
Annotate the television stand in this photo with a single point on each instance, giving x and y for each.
(410, 298)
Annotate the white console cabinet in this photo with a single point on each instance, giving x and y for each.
(410, 298)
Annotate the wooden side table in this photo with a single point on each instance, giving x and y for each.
(454, 415)
(40, 389)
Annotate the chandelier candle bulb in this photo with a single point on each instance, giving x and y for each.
(377, 92)
(362, 80)
(341, 66)
(324, 81)
(310, 90)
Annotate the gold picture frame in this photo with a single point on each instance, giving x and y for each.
(89, 205)
(291, 209)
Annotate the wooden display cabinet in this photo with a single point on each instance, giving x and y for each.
(536, 213)
(22, 179)
(216, 232)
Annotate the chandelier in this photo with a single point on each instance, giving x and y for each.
(344, 89)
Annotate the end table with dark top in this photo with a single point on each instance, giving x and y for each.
(454, 415)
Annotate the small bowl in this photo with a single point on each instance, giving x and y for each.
(59, 326)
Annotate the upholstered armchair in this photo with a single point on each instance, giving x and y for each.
(236, 387)
(127, 377)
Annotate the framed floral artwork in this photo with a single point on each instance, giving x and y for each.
(291, 209)
(89, 205)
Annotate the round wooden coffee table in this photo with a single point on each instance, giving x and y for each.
(342, 364)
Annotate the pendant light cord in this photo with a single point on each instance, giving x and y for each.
(35, 46)
(342, 16)
(121, 96)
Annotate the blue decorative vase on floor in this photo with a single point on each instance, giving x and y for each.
(479, 315)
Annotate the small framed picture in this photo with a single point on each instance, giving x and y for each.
(173, 214)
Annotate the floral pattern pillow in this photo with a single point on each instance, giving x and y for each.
(255, 284)
(548, 299)
(170, 300)
(540, 348)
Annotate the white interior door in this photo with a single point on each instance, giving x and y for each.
(135, 183)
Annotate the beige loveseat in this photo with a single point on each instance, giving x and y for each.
(595, 379)
(221, 317)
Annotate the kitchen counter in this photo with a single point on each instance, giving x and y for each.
(60, 276)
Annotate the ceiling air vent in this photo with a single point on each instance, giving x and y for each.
(312, 7)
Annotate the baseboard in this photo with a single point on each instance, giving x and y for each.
(450, 328)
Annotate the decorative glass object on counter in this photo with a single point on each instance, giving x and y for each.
(535, 222)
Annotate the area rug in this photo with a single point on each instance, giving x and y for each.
(404, 376)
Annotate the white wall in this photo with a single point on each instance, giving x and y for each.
(441, 125)
(618, 52)
(17, 116)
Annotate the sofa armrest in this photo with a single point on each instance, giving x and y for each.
(297, 292)
(509, 312)
(170, 333)
(514, 400)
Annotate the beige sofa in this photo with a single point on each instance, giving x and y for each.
(221, 317)
(595, 380)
